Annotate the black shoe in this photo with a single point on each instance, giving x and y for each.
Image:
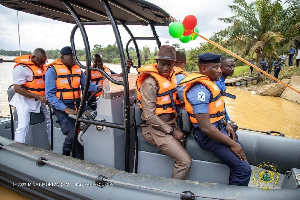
(66, 153)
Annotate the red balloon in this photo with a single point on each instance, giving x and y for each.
(188, 32)
(189, 22)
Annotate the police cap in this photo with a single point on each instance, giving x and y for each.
(66, 51)
(209, 58)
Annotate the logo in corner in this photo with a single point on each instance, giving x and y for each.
(266, 176)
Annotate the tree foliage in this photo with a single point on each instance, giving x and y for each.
(261, 28)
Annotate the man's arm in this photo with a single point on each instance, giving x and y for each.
(22, 91)
(180, 89)
(92, 88)
(213, 133)
(19, 79)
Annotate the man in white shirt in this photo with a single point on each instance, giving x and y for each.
(298, 57)
(29, 85)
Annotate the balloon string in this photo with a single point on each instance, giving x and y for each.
(245, 61)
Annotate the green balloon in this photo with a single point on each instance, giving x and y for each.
(194, 36)
(176, 29)
(185, 39)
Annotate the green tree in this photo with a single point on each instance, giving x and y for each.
(254, 28)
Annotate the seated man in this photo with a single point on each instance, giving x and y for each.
(156, 94)
(63, 81)
(29, 85)
(179, 74)
(205, 105)
(227, 68)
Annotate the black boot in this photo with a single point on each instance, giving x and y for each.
(66, 153)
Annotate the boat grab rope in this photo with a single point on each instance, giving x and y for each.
(266, 132)
(102, 181)
(160, 190)
(248, 63)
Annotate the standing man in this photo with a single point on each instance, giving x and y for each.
(298, 57)
(292, 52)
(97, 78)
(227, 68)
(277, 67)
(251, 68)
(156, 94)
(205, 105)
(263, 64)
(29, 85)
(64, 81)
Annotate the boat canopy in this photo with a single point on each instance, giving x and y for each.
(130, 12)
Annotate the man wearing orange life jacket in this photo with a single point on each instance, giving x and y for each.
(205, 105)
(157, 94)
(29, 85)
(97, 78)
(64, 81)
(179, 74)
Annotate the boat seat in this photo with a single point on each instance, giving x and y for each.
(36, 135)
(192, 147)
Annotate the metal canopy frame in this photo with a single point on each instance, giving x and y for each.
(102, 12)
(79, 24)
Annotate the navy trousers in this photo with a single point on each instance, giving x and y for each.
(67, 126)
(276, 72)
(240, 170)
(291, 57)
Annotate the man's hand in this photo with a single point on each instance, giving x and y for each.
(230, 131)
(238, 150)
(233, 125)
(177, 134)
(70, 111)
(129, 64)
(99, 87)
(43, 99)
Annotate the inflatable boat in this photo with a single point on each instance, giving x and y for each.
(116, 162)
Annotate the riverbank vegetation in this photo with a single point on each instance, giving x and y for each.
(261, 28)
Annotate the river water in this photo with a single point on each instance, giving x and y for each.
(248, 110)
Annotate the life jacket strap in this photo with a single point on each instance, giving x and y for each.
(218, 114)
(70, 75)
(68, 90)
(216, 98)
(228, 95)
(35, 89)
(37, 77)
(165, 106)
(166, 93)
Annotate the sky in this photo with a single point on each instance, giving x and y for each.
(49, 34)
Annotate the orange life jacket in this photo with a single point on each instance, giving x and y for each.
(177, 70)
(97, 78)
(37, 85)
(216, 105)
(166, 94)
(67, 82)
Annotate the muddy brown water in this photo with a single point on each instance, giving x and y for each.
(248, 110)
